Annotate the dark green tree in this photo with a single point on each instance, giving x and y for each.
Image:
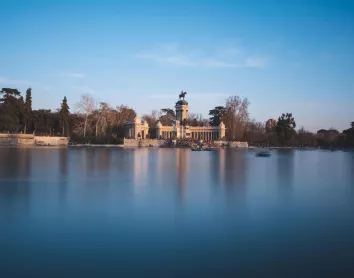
(11, 110)
(349, 133)
(216, 115)
(64, 117)
(21, 112)
(28, 117)
(286, 127)
(168, 116)
(43, 120)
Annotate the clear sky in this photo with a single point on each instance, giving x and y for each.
(285, 56)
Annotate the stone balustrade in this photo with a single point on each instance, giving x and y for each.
(30, 139)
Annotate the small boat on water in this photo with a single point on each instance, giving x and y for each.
(196, 149)
(209, 149)
(263, 154)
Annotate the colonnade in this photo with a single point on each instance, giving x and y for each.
(205, 135)
(167, 134)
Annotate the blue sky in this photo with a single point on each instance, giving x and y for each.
(285, 56)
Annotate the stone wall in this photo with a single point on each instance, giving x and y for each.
(30, 139)
(142, 143)
(239, 144)
(236, 144)
(52, 141)
(16, 139)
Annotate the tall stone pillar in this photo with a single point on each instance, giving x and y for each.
(178, 129)
(137, 127)
(222, 130)
(158, 130)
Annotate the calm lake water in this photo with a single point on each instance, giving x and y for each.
(175, 213)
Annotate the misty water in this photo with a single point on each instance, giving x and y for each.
(175, 213)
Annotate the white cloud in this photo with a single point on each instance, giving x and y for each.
(178, 59)
(256, 62)
(163, 96)
(228, 58)
(75, 75)
(9, 81)
(84, 89)
(16, 82)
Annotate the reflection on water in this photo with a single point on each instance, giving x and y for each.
(181, 164)
(175, 213)
(63, 174)
(285, 172)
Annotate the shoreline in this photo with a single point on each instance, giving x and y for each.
(111, 146)
(31, 147)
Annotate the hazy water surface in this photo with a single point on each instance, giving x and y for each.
(175, 213)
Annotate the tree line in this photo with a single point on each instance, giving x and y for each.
(95, 121)
(281, 132)
(92, 121)
(17, 115)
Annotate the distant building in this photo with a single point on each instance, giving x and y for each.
(138, 129)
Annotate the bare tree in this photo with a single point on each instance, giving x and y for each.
(102, 118)
(236, 117)
(271, 125)
(196, 119)
(85, 107)
(124, 114)
(255, 132)
(151, 118)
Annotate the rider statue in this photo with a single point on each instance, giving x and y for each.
(182, 95)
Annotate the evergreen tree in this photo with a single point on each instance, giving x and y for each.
(20, 106)
(285, 127)
(11, 110)
(168, 116)
(28, 117)
(216, 115)
(64, 117)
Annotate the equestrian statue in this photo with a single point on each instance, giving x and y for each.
(182, 95)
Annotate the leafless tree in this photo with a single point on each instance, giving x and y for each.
(271, 125)
(236, 117)
(151, 118)
(255, 132)
(85, 108)
(123, 114)
(196, 119)
(102, 118)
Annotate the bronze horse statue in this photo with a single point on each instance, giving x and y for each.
(182, 95)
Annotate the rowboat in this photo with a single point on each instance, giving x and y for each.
(263, 154)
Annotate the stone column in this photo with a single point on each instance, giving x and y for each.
(178, 131)
(222, 130)
(158, 129)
